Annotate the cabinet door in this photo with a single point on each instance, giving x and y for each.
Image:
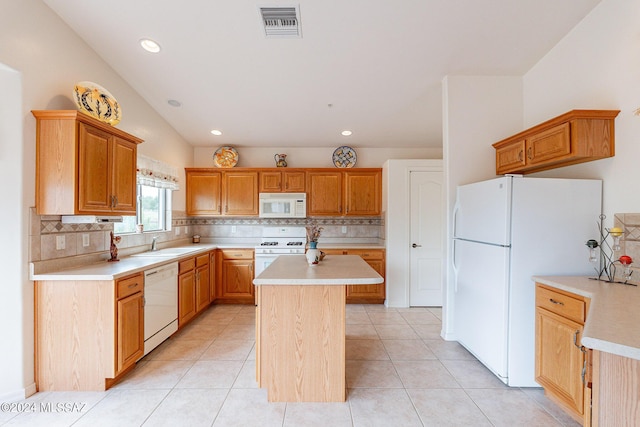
(551, 145)
(204, 193)
(510, 157)
(202, 286)
(237, 280)
(94, 178)
(130, 331)
(363, 193)
(240, 193)
(324, 193)
(186, 297)
(270, 182)
(212, 276)
(374, 293)
(124, 177)
(294, 182)
(559, 361)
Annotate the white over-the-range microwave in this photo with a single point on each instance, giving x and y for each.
(283, 205)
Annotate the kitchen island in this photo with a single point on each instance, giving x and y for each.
(300, 326)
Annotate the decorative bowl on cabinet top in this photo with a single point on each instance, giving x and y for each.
(96, 101)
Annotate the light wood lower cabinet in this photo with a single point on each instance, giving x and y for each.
(88, 333)
(560, 358)
(367, 294)
(234, 279)
(194, 287)
(202, 282)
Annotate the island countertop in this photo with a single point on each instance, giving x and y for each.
(333, 270)
(613, 318)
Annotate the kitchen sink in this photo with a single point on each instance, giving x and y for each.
(167, 252)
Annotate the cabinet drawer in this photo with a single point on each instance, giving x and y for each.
(564, 305)
(202, 260)
(237, 253)
(186, 265)
(129, 286)
(367, 253)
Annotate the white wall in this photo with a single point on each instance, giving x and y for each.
(596, 66)
(477, 111)
(14, 289)
(396, 190)
(314, 157)
(50, 59)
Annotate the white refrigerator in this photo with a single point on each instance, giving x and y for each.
(505, 231)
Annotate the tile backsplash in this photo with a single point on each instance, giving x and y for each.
(90, 242)
(629, 243)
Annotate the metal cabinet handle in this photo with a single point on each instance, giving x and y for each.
(416, 246)
(530, 153)
(520, 155)
(116, 201)
(556, 302)
(133, 285)
(575, 339)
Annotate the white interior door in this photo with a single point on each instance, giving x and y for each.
(426, 224)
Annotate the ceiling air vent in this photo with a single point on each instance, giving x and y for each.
(281, 22)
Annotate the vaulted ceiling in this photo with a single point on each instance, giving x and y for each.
(374, 67)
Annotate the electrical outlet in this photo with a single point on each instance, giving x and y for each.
(177, 231)
(85, 240)
(233, 229)
(344, 229)
(60, 243)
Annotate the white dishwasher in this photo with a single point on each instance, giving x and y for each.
(161, 304)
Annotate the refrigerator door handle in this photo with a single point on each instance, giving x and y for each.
(456, 208)
(455, 268)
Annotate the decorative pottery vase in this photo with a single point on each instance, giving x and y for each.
(281, 160)
(313, 254)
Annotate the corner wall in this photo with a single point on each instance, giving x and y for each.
(596, 66)
(49, 58)
(477, 111)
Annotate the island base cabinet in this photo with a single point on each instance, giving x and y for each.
(616, 390)
(300, 342)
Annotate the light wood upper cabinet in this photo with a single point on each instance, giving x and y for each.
(330, 192)
(212, 192)
(363, 192)
(575, 137)
(204, 192)
(240, 193)
(324, 193)
(281, 181)
(83, 166)
(350, 193)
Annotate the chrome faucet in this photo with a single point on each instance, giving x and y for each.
(153, 244)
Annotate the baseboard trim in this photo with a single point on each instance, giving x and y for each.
(20, 394)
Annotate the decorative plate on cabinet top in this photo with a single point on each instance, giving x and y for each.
(225, 157)
(96, 101)
(344, 157)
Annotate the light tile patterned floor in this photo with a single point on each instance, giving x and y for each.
(399, 373)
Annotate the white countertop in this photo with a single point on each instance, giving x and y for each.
(613, 320)
(333, 270)
(127, 265)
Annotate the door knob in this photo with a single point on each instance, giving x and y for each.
(416, 246)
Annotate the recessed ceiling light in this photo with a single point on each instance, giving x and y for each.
(346, 133)
(174, 103)
(150, 46)
(216, 132)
